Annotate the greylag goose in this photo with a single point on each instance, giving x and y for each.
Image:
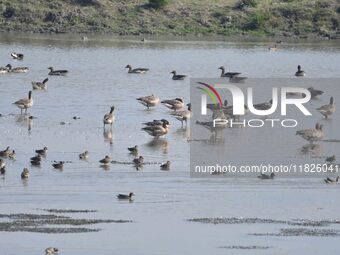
(18, 56)
(330, 159)
(263, 176)
(329, 180)
(125, 197)
(177, 77)
(183, 115)
(300, 72)
(25, 174)
(173, 104)
(57, 72)
(228, 74)
(137, 70)
(17, 69)
(328, 109)
(157, 131)
(156, 123)
(37, 85)
(105, 161)
(25, 103)
(315, 92)
(58, 165)
(312, 134)
(84, 155)
(133, 150)
(42, 151)
(109, 118)
(166, 165)
(51, 250)
(149, 101)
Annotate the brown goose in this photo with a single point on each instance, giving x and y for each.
(137, 70)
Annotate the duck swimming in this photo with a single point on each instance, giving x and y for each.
(177, 77)
(51, 250)
(173, 104)
(315, 92)
(25, 103)
(313, 134)
(17, 69)
(157, 131)
(263, 176)
(137, 70)
(330, 159)
(18, 56)
(84, 155)
(58, 165)
(109, 118)
(42, 151)
(138, 161)
(166, 165)
(149, 101)
(300, 72)
(330, 181)
(25, 174)
(228, 74)
(56, 72)
(328, 109)
(37, 85)
(105, 161)
(133, 150)
(125, 197)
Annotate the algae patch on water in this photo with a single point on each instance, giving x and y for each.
(50, 223)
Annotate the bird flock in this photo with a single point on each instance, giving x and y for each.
(156, 128)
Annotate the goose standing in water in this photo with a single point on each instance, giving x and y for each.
(25, 103)
(17, 69)
(17, 56)
(330, 181)
(183, 115)
(173, 104)
(157, 131)
(328, 109)
(25, 174)
(263, 176)
(125, 197)
(37, 85)
(149, 101)
(300, 72)
(228, 74)
(84, 155)
(177, 77)
(313, 134)
(56, 72)
(315, 92)
(137, 70)
(109, 118)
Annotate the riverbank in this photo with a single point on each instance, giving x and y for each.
(241, 18)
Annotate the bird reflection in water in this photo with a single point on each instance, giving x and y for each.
(25, 120)
(159, 144)
(108, 136)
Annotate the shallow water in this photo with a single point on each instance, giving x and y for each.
(164, 200)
